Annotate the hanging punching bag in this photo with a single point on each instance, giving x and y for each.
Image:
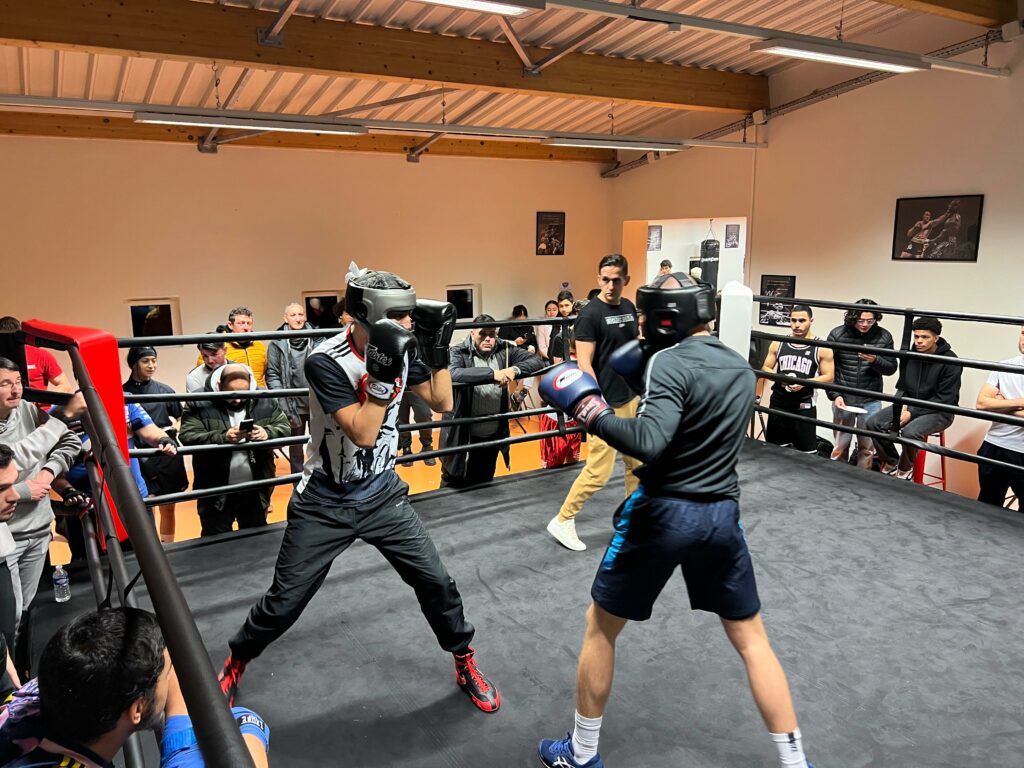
(709, 262)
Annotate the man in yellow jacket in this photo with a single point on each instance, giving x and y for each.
(250, 353)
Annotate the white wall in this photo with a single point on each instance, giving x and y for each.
(680, 243)
(89, 224)
(821, 200)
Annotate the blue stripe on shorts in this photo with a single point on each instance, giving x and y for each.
(621, 529)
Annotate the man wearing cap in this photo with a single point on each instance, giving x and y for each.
(237, 420)
(252, 354)
(349, 488)
(213, 355)
(164, 473)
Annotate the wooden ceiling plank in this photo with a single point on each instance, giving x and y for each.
(93, 127)
(984, 13)
(190, 31)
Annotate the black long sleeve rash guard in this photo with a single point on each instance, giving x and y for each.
(691, 422)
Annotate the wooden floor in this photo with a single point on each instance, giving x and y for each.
(420, 477)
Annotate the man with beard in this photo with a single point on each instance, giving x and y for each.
(233, 420)
(799, 361)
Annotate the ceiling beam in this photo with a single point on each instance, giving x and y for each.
(208, 33)
(984, 13)
(99, 127)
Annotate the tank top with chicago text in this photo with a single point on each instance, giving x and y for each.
(798, 361)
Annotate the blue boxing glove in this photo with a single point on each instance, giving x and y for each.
(574, 392)
(630, 362)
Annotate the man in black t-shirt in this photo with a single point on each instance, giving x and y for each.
(602, 326)
(349, 488)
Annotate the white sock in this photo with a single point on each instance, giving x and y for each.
(791, 749)
(585, 736)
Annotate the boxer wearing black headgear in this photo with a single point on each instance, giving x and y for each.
(673, 305)
(688, 431)
(349, 488)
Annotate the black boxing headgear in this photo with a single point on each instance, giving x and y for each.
(671, 314)
(370, 295)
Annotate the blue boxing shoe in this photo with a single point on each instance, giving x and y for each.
(559, 754)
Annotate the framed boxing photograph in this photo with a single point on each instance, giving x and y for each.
(776, 313)
(653, 237)
(154, 317)
(550, 233)
(937, 228)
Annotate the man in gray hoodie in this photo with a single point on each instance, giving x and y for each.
(43, 448)
(285, 361)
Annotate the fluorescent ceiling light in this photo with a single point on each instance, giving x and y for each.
(612, 143)
(642, 144)
(249, 124)
(510, 8)
(842, 53)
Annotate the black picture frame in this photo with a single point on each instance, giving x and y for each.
(732, 236)
(550, 236)
(464, 299)
(320, 309)
(771, 313)
(653, 237)
(152, 319)
(941, 228)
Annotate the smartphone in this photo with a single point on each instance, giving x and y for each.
(246, 426)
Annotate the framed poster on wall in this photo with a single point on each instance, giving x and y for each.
(321, 308)
(732, 235)
(550, 233)
(466, 299)
(776, 313)
(154, 317)
(937, 228)
(653, 237)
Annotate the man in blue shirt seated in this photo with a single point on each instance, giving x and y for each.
(102, 677)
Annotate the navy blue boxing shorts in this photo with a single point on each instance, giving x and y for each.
(654, 535)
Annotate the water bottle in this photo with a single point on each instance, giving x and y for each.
(61, 585)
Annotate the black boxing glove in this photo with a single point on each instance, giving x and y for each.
(433, 324)
(385, 358)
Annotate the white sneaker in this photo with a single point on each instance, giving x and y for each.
(565, 533)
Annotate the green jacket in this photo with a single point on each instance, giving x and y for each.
(207, 423)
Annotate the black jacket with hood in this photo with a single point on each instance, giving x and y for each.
(936, 382)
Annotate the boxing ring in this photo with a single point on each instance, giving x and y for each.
(892, 606)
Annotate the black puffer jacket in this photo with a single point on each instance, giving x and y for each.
(854, 371)
(936, 382)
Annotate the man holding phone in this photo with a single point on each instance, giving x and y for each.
(233, 420)
(863, 370)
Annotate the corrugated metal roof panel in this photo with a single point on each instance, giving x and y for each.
(141, 80)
